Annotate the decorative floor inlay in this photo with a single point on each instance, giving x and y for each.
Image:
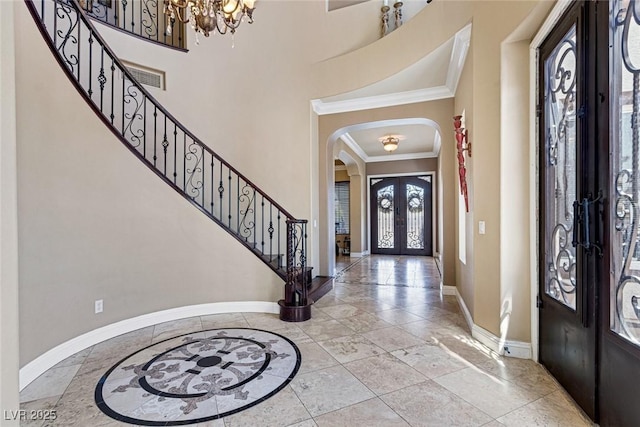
(197, 377)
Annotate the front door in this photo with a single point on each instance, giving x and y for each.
(567, 327)
(401, 216)
(620, 272)
(590, 208)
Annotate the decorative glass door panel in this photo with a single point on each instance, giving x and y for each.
(560, 137)
(619, 360)
(386, 217)
(625, 167)
(415, 217)
(401, 216)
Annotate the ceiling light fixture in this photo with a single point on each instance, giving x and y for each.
(207, 16)
(390, 142)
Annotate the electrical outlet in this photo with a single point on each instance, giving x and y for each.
(99, 306)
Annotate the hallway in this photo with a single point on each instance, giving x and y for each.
(383, 348)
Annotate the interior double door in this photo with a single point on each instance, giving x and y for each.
(589, 127)
(401, 213)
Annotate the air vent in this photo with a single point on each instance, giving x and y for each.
(145, 75)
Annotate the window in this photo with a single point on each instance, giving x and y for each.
(342, 207)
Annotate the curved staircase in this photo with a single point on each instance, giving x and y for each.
(177, 156)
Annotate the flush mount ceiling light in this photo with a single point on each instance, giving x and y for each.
(207, 16)
(390, 142)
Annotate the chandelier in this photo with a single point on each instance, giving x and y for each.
(207, 16)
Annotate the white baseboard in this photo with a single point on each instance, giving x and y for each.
(465, 310)
(359, 254)
(448, 290)
(507, 348)
(41, 364)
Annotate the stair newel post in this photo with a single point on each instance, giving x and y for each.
(290, 285)
(303, 263)
(295, 307)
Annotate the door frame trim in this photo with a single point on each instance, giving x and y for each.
(435, 249)
(548, 25)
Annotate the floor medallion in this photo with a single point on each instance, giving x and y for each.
(197, 377)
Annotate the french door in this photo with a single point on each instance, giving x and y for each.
(401, 215)
(568, 331)
(589, 124)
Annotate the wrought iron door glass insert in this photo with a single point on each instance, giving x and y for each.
(197, 377)
(625, 157)
(386, 217)
(415, 217)
(167, 147)
(560, 138)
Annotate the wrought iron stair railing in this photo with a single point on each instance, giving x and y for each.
(142, 18)
(170, 150)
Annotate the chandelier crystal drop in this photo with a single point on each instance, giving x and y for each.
(208, 16)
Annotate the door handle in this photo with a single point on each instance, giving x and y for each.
(582, 223)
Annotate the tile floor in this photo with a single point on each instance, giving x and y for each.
(382, 349)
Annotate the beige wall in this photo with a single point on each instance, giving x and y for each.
(486, 137)
(9, 359)
(464, 103)
(515, 299)
(403, 166)
(96, 224)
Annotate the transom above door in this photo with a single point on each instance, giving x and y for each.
(401, 215)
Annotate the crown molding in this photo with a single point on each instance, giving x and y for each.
(461, 43)
(380, 101)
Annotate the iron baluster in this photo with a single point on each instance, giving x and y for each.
(144, 128)
(270, 230)
(184, 163)
(101, 79)
(133, 14)
(79, 52)
(212, 181)
(279, 236)
(165, 144)
(238, 204)
(175, 153)
(262, 233)
(113, 88)
(124, 14)
(155, 135)
(90, 91)
(55, 23)
(203, 178)
(220, 191)
(230, 205)
(123, 106)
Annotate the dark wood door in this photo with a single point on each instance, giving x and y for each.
(568, 332)
(401, 213)
(619, 178)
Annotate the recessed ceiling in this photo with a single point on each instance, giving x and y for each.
(417, 139)
(433, 77)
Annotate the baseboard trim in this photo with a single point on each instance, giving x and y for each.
(465, 310)
(507, 348)
(448, 290)
(41, 364)
(359, 254)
